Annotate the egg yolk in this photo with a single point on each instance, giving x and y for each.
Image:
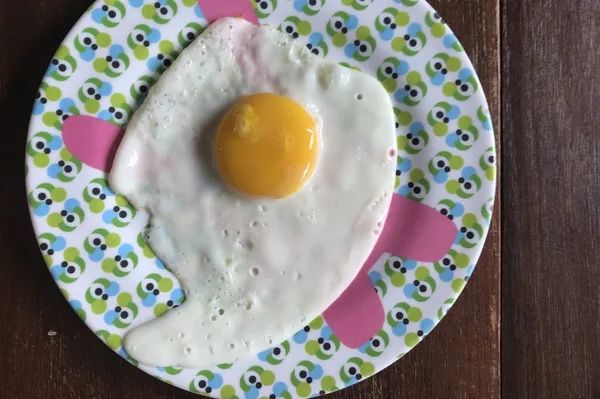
(266, 146)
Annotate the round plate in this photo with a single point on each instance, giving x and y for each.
(90, 238)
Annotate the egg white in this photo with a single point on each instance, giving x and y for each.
(254, 271)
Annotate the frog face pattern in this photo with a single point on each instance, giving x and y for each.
(325, 346)
(69, 218)
(338, 27)
(89, 41)
(487, 162)
(309, 7)
(441, 67)
(49, 245)
(465, 136)
(122, 263)
(396, 269)
(442, 164)
(276, 355)
(295, 27)
(140, 38)
(55, 119)
(308, 378)
(363, 46)
(412, 41)
(114, 64)
(447, 267)
(254, 380)
(189, 33)
(418, 186)
(390, 71)
(163, 60)
(139, 89)
(401, 316)
(40, 147)
(96, 193)
(422, 287)
(450, 209)
(70, 268)
(91, 92)
(264, 8)
(440, 116)
(46, 95)
(408, 322)
(118, 112)
(99, 293)
(413, 91)
(121, 214)
(389, 20)
(66, 169)
(302, 336)
(122, 315)
(205, 382)
(463, 87)
(470, 233)
(378, 283)
(355, 369)
(43, 196)
(161, 11)
(62, 66)
(466, 185)
(98, 242)
(437, 27)
(376, 345)
(110, 14)
(415, 140)
(317, 45)
(157, 291)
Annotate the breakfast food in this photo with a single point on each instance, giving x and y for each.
(267, 172)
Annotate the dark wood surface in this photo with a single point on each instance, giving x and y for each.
(543, 54)
(551, 149)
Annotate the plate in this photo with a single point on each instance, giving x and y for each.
(91, 238)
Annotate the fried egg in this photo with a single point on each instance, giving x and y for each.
(267, 172)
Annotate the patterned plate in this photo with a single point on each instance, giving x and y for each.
(91, 238)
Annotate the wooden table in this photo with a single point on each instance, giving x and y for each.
(537, 338)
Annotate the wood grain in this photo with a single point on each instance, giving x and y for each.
(550, 280)
(459, 359)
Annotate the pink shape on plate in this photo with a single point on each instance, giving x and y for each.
(412, 230)
(215, 9)
(91, 140)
